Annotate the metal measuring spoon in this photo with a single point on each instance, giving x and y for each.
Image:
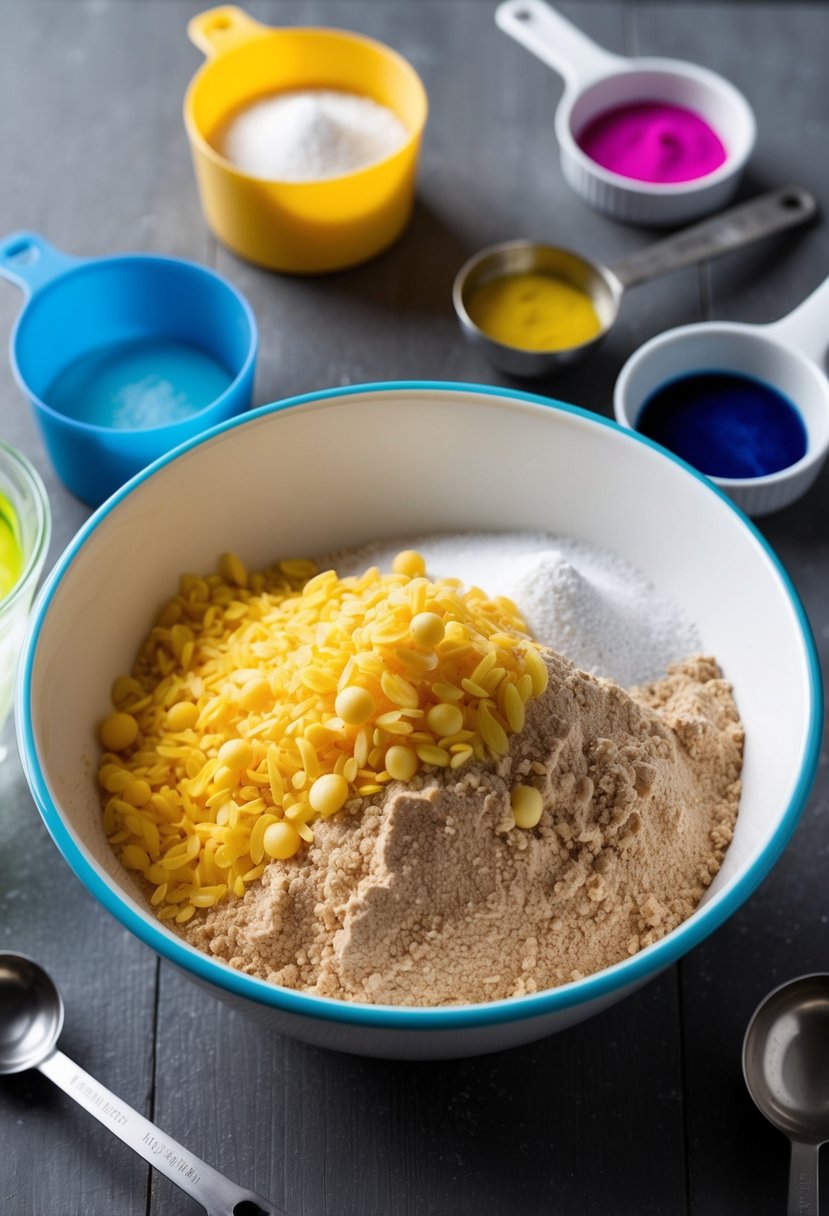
(31, 1018)
(786, 1068)
(606, 285)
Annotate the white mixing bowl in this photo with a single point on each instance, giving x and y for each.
(348, 466)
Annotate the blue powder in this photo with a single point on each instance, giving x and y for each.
(134, 385)
(725, 425)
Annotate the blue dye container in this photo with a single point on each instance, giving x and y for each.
(80, 311)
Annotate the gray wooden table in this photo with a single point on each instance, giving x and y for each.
(641, 1110)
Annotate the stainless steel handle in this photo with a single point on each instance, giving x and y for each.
(803, 1178)
(773, 212)
(207, 1186)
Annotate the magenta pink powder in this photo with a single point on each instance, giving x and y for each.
(653, 141)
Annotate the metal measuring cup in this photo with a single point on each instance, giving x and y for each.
(606, 285)
(786, 1070)
(31, 1019)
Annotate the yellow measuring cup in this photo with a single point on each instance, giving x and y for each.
(300, 227)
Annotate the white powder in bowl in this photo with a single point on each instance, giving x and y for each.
(583, 601)
(310, 134)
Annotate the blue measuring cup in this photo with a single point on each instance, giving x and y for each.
(79, 308)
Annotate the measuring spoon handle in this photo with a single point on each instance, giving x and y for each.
(803, 1180)
(769, 213)
(207, 1186)
(29, 261)
(556, 41)
(805, 328)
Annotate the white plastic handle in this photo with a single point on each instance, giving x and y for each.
(806, 328)
(556, 41)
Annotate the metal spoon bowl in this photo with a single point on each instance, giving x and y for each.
(526, 257)
(31, 1019)
(765, 215)
(786, 1069)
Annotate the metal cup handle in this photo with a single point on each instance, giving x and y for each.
(776, 211)
(217, 1194)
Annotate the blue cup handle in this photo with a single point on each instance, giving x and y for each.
(29, 261)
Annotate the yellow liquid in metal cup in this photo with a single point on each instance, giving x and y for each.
(538, 312)
(11, 552)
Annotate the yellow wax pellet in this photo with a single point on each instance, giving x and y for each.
(225, 778)
(401, 762)
(281, 840)
(409, 562)
(328, 793)
(118, 732)
(354, 705)
(461, 756)
(298, 567)
(514, 708)
(134, 857)
(493, 733)
(427, 628)
(182, 716)
(123, 688)
(255, 693)
(236, 754)
(114, 780)
(137, 792)
(430, 754)
(527, 805)
(232, 570)
(445, 719)
(536, 669)
(447, 692)
(399, 690)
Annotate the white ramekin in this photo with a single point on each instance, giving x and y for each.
(786, 355)
(596, 81)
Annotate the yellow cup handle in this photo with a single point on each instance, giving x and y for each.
(220, 29)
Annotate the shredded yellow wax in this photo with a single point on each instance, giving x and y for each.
(534, 312)
(262, 702)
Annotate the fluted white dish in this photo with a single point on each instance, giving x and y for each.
(788, 355)
(595, 81)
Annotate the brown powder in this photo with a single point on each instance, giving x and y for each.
(431, 895)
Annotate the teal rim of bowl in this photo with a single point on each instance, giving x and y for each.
(626, 974)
